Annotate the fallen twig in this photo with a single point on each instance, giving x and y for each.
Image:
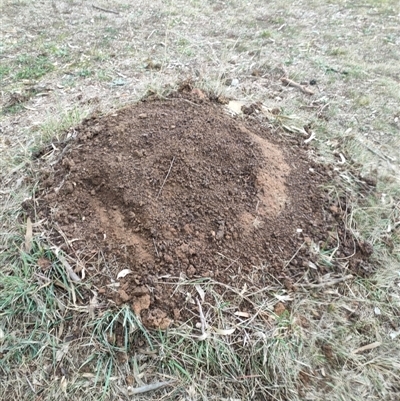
(298, 250)
(106, 10)
(312, 136)
(166, 177)
(289, 82)
(149, 387)
(367, 347)
(328, 283)
(72, 275)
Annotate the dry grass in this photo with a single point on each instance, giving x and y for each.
(62, 60)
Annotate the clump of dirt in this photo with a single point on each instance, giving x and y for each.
(177, 188)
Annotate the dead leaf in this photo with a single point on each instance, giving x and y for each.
(28, 235)
(244, 289)
(63, 385)
(367, 347)
(72, 275)
(123, 273)
(224, 332)
(200, 291)
(149, 387)
(242, 314)
(62, 351)
(92, 306)
(43, 263)
(283, 298)
(113, 285)
(88, 375)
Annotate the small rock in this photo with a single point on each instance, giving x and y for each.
(168, 259)
(248, 109)
(130, 380)
(199, 93)
(220, 234)
(142, 115)
(68, 187)
(334, 209)
(139, 153)
(288, 283)
(141, 303)
(191, 271)
(307, 240)
(187, 229)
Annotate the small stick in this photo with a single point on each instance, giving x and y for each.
(105, 9)
(289, 82)
(287, 264)
(148, 37)
(328, 283)
(367, 347)
(30, 385)
(150, 387)
(202, 318)
(166, 177)
(155, 247)
(72, 275)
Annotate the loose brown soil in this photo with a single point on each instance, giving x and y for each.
(177, 188)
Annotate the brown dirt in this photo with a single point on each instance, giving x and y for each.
(175, 187)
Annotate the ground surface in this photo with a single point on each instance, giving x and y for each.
(330, 332)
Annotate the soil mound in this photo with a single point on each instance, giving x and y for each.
(176, 187)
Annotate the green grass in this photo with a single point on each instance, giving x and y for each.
(28, 67)
(14, 109)
(4, 71)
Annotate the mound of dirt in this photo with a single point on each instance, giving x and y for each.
(177, 188)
